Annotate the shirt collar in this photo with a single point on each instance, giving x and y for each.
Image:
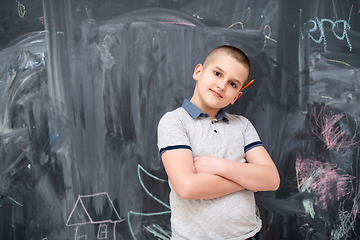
(195, 112)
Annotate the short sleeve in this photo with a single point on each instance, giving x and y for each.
(172, 133)
(251, 137)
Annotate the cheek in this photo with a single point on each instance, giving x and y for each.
(234, 92)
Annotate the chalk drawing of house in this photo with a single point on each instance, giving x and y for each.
(95, 217)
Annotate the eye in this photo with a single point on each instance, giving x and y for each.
(217, 74)
(233, 84)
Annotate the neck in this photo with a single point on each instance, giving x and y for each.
(211, 111)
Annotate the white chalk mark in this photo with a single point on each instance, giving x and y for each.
(104, 49)
(36, 60)
(343, 229)
(179, 23)
(36, 41)
(197, 16)
(142, 214)
(158, 232)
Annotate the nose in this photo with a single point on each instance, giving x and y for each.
(221, 85)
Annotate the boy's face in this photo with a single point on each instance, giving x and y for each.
(218, 83)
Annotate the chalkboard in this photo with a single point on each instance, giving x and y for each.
(83, 84)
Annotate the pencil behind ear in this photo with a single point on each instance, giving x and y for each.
(236, 98)
(247, 85)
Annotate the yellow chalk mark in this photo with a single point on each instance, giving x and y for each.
(21, 10)
(267, 33)
(268, 36)
(242, 25)
(337, 61)
(352, 6)
(334, 9)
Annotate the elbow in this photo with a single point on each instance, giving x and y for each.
(185, 195)
(273, 180)
(272, 184)
(275, 183)
(185, 191)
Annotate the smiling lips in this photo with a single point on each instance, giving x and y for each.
(216, 93)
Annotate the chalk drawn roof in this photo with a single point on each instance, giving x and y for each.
(94, 208)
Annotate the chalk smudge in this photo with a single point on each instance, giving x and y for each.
(324, 180)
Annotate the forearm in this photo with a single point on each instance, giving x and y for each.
(252, 177)
(259, 173)
(208, 186)
(188, 183)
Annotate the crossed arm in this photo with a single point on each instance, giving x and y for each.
(209, 177)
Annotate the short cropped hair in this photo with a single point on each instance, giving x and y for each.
(234, 52)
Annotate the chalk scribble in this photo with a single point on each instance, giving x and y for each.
(156, 230)
(327, 128)
(324, 180)
(85, 213)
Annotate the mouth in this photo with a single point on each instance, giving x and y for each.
(216, 93)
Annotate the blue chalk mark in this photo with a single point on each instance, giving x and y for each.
(15, 201)
(46, 148)
(319, 24)
(140, 168)
(50, 142)
(146, 190)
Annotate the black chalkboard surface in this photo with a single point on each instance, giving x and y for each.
(83, 84)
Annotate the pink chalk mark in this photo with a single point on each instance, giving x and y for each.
(324, 180)
(357, 194)
(80, 203)
(333, 137)
(41, 19)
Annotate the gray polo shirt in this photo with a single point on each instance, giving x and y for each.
(228, 136)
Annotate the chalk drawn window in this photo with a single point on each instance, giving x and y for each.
(102, 233)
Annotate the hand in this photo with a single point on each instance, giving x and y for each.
(207, 164)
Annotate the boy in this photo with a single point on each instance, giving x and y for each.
(215, 161)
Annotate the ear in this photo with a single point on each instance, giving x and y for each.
(236, 98)
(197, 71)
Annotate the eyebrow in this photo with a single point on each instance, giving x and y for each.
(234, 79)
